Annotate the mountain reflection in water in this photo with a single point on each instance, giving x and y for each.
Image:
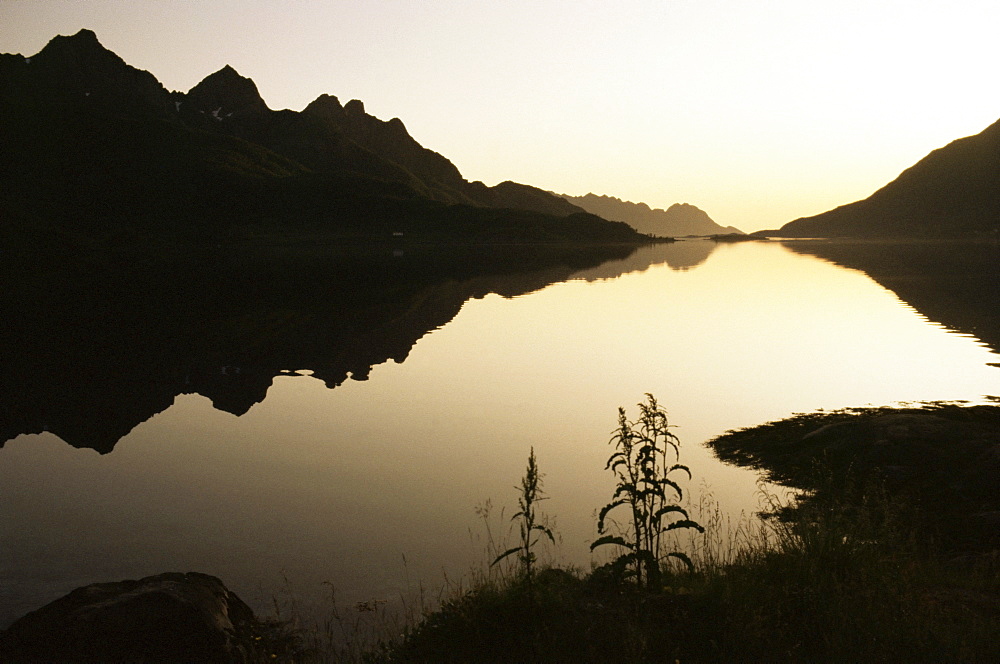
(336, 484)
(90, 351)
(955, 283)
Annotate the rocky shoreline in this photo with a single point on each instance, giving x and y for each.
(171, 617)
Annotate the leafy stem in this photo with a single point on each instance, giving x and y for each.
(641, 464)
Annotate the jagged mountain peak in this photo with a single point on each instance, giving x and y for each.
(83, 38)
(83, 47)
(326, 107)
(226, 92)
(678, 220)
(325, 101)
(78, 72)
(684, 207)
(83, 35)
(82, 79)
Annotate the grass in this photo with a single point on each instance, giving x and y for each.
(528, 521)
(849, 584)
(853, 584)
(845, 570)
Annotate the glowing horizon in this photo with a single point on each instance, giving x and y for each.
(755, 114)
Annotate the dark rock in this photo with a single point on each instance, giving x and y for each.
(897, 473)
(169, 617)
(987, 562)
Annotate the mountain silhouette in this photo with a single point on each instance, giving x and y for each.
(953, 191)
(224, 95)
(101, 149)
(76, 73)
(679, 220)
(329, 137)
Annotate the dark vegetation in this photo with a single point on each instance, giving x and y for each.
(528, 521)
(859, 568)
(642, 467)
(940, 459)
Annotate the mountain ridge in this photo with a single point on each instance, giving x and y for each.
(104, 148)
(954, 190)
(680, 219)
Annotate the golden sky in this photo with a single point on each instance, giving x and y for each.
(758, 112)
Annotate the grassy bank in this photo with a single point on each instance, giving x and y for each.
(856, 569)
(849, 585)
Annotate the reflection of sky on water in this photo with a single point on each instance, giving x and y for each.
(340, 484)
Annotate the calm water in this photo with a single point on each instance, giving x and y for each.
(319, 484)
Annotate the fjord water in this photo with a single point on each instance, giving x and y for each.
(374, 485)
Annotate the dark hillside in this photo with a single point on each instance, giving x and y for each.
(102, 152)
(953, 191)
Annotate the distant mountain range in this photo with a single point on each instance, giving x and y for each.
(679, 220)
(953, 191)
(94, 146)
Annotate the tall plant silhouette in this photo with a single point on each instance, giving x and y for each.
(641, 464)
(527, 517)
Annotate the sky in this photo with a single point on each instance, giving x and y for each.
(758, 112)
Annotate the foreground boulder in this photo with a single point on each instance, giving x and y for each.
(169, 617)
